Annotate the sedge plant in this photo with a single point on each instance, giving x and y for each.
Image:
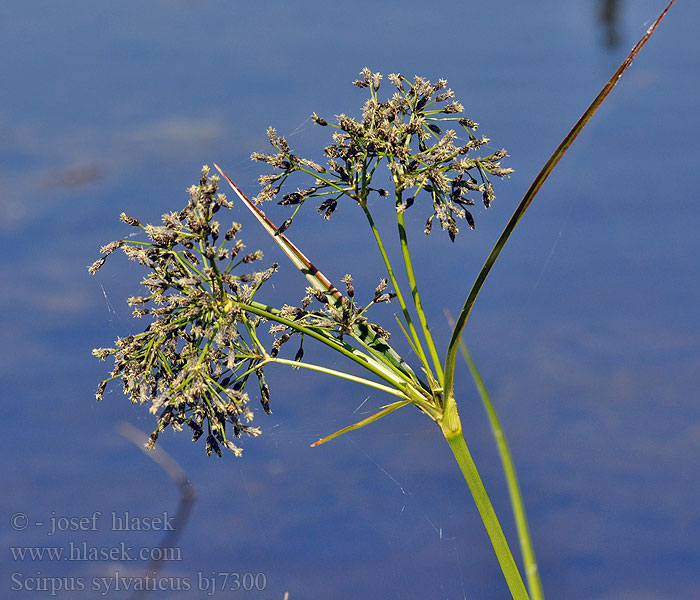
(211, 335)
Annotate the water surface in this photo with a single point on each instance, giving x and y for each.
(587, 332)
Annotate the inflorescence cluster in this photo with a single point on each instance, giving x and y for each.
(194, 359)
(408, 132)
(338, 318)
(202, 346)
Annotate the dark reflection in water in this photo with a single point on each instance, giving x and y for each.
(609, 19)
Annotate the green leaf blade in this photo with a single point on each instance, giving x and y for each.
(375, 417)
(530, 196)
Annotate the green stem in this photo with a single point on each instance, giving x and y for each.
(368, 362)
(516, 499)
(341, 374)
(397, 290)
(452, 430)
(379, 351)
(414, 290)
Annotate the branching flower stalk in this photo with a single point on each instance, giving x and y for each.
(204, 342)
(193, 361)
(405, 133)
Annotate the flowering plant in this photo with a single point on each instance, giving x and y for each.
(204, 344)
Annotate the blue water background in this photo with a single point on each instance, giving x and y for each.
(587, 332)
